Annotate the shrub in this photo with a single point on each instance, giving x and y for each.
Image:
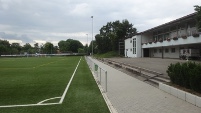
(195, 78)
(186, 74)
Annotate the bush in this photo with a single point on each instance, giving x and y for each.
(186, 74)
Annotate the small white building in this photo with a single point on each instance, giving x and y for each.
(133, 46)
(166, 40)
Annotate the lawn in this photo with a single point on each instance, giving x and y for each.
(27, 81)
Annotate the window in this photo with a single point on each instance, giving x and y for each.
(173, 50)
(130, 49)
(134, 46)
(160, 50)
(155, 50)
(166, 50)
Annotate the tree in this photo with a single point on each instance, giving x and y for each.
(198, 17)
(15, 48)
(81, 50)
(36, 48)
(48, 48)
(103, 43)
(63, 46)
(112, 33)
(70, 45)
(86, 49)
(95, 47)
(27, 48)
(75, 45)
(4, 47)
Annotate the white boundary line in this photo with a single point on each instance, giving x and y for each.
(46, 104)
(26, 105)
(64, 94)
(41, 102)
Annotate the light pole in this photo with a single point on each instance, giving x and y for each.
(87, 44)
(92, 36)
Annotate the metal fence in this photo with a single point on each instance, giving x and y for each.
(99, 73)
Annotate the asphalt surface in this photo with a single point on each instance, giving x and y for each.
(154, 64)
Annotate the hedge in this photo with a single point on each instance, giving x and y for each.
(187, 75)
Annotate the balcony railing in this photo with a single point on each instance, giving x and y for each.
(193, 33)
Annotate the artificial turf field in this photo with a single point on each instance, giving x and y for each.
(39, 85)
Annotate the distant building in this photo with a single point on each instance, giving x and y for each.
(166, 40)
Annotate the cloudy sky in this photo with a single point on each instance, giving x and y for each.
(40, 21)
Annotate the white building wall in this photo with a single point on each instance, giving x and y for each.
(171, 54)
(139, 45)
(129, 49)
(168, 54)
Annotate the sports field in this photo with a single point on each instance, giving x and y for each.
(48, 85)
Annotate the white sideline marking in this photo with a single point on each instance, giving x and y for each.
(48, 100)
(26, 105)
(46, 104)
(64, 94)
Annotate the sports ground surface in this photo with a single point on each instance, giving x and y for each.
(48, 85)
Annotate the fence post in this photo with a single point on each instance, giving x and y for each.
(105, 81)
(100, 74)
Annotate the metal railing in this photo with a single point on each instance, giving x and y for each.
(99, 73)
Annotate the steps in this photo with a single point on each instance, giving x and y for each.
(148, 76)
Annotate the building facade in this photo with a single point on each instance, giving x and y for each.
(165, 41)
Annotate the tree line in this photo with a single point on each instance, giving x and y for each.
(107, 40)
(70, 45)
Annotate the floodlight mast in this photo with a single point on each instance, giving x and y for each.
(92, 36)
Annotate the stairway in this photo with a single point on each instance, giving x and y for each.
(148, 76)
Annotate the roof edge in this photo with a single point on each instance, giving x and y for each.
(173, 21)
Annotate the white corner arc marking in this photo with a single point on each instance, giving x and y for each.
(48, 100)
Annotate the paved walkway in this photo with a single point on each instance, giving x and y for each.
(129, 95)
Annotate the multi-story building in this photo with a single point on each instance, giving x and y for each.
(166, 40)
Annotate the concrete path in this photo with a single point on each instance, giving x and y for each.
(129, 95)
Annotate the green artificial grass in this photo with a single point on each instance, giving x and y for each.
(31, 80)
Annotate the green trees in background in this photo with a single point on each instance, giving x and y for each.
(112, 33)
(70, 45)
(95, 49)
(49, 48)
(107, 40)
(4, 47)
(15, 48)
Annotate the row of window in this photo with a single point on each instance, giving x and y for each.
(172, 50)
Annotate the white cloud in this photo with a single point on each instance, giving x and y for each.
(80, 9)
(15, 41)
(33, 21)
